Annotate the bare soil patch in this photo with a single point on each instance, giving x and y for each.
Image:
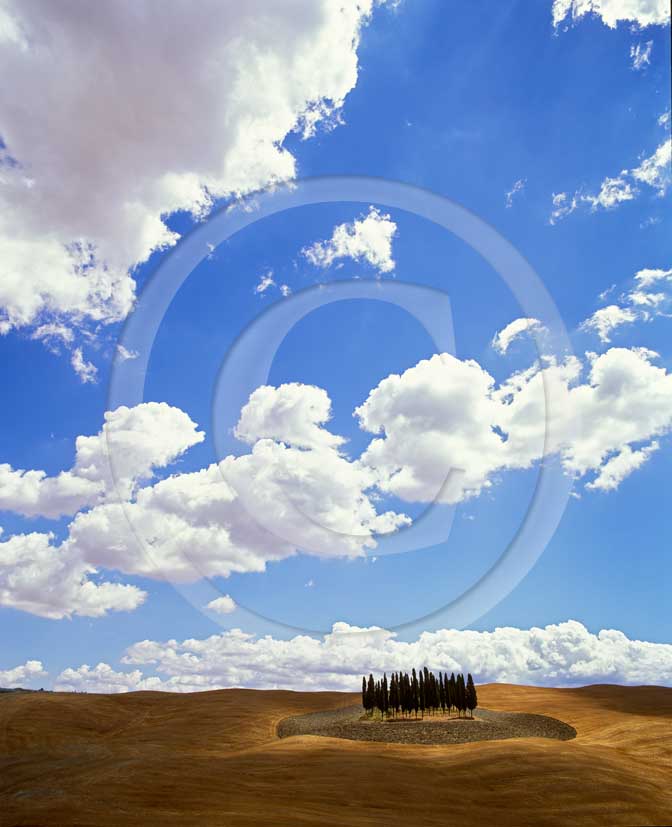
(486, 725)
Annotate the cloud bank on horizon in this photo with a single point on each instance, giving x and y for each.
(563, 654)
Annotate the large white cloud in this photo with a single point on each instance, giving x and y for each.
(37, 577)
(612, 12)
(130, 445)
(557, 655)
(21, 676)
(444, 429)
(368, 238)
(293, 492)
(447, 430)
(237, 515)
(120, 114)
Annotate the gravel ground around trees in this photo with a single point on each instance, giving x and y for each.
(487, 725)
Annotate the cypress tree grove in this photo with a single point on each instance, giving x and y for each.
(419, 691)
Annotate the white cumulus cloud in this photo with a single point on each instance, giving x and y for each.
(88, 177)
(130, 445)
(563, 654)
(21, 676)
(223, 605)
(237, 515)
(443, 429)
(607, 319)
(620, 466)
(612, 12)
(265, 281)
(104, 679)
(86, 371)
(40, 578)
(648, 297)
(293, 413)
(446, 430)
(514, 330)
(294, 491)
(368, 238)
(653, 171)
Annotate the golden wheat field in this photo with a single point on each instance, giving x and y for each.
(213, 758)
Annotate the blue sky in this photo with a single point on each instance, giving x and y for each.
(464, 100)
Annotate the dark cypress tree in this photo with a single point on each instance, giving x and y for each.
(408, 703)
(399, 692)
(393, 694)
(461, 700)
(451, 692)
(421, 693)
(385, 696)
(415, 700)
(471, 696)
(364, 695)
(427, 688)
(371, 695)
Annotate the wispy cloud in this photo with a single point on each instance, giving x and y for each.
(654, 172)
(640, 54)
(518, 187)
(648, 296)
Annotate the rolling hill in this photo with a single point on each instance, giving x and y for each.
(214, 758)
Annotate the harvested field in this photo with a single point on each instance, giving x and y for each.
(214, 758)
(487, 725)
